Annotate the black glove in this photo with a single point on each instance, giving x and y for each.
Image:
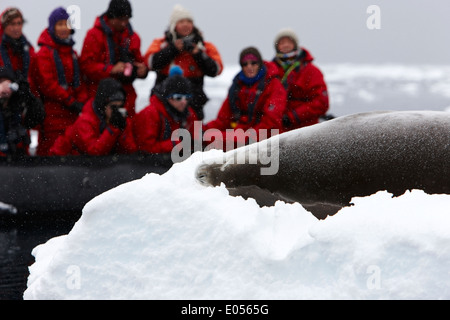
(198, 36)
(118, 120)
(76, 107)
(286, 121)
(189, 45)
(23, 100)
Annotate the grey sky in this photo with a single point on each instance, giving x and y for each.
(335, 31)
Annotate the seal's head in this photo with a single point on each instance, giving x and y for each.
(202, 175)
(212, 175)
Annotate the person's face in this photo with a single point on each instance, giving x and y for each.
(62, 31)
(286, 45)
(5, 90)
(250, 68)
(119, 24)
(111, 106)
(14, 29)
(179, 101)
(184, 27)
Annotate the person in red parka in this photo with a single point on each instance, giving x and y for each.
(59, 80)
(183, 45)
(112, 49)
(256, 99)
(16, 52)
(304, 82)
(168, 111)
(102, 128)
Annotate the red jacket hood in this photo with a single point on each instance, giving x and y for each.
(89, 113)
(45, 39)
(272, 70)
(98, 25)
(308, 57)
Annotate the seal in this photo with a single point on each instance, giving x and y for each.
(324, 166)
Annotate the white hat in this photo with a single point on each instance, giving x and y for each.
(179, 13)
(286, 33)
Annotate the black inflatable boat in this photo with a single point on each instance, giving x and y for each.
(66, 184)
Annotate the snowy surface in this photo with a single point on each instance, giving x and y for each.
(168, 237)
(359, 88)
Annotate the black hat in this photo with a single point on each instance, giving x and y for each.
(108, 90)
(119, 9)
(176, 84)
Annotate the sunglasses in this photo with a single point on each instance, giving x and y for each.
(179, 96)
(246, 63)
(116, 106)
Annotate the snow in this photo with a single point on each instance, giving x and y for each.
(169, 237)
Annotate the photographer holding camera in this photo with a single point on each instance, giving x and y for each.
(20, 111)
(183, 45)
(112, 49)
(103, 128)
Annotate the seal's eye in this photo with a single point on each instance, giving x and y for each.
(202, 175)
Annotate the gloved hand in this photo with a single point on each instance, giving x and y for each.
(286, 121)
(189, 45)
(118, 120)
(76, 107)
(5, 89)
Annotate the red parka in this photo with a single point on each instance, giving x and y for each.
(89, 135)
(266, 113)
(307, 92)
(57, 94)
(154, 127)
(98, 57)
(22, 64)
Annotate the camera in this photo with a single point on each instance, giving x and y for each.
(116, 109)
(188, 45)
(123, 112)
(128, 70)
(118, 117)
